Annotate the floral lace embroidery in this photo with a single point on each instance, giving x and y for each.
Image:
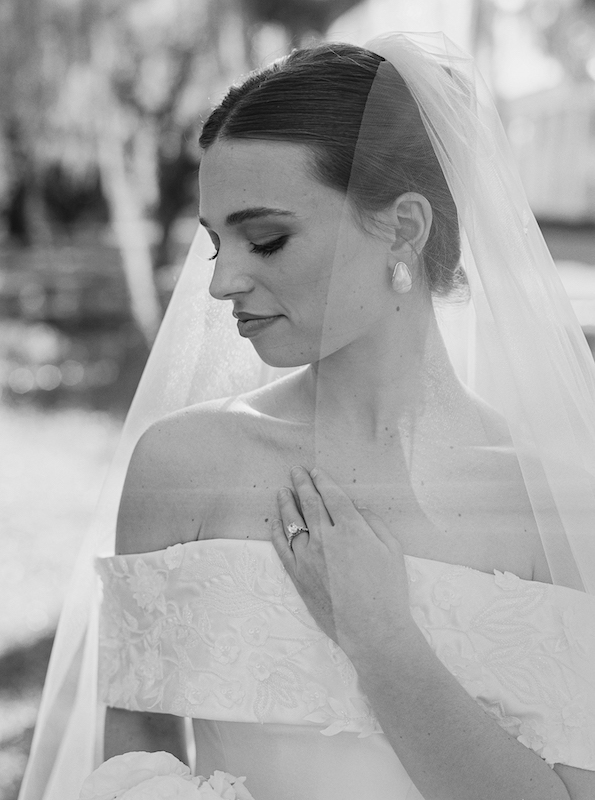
(216, 630)
(219, 633)
(524, 650)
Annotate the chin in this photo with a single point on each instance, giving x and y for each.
(284, 358)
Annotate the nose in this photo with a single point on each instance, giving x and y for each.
(229, 279)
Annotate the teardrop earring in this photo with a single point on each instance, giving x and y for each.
(401, 279)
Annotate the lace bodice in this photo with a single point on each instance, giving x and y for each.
(215, 630)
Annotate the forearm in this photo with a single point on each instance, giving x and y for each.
(127, 731)
(450, 748)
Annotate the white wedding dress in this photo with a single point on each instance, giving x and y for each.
(215, 630)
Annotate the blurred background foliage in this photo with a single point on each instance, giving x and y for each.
(100, 107)
(101, 103)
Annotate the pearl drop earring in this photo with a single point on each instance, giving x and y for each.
(401, 279)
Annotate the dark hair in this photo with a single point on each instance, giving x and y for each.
(343, 101)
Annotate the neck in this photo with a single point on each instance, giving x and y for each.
(399, 380)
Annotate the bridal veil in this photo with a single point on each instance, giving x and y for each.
(514, 341)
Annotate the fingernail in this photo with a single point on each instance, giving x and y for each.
(284, 491)
(314, 473)
(296, 469)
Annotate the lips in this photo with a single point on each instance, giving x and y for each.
(244, 316)
(251, 324)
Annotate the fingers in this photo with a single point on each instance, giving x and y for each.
(320, 489)
(281, 545)
(312, 506)
(318, 502)
(338, 505)
(294, 524)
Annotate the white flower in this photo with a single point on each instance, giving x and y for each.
(123, 772)
(530, 736)
(225, 649)
(340, 718)
(147, 586)
(164, 787)
(150, 665)
(506, 580)
(496, 710)
(535, 735)
(229, 693)
(158, 776)
(260, 665)
(198, 688)
(206, 792)
(314, 696)
(445, 595)
(174, 556)
(255, 631)
(225, 786)
(365, 717)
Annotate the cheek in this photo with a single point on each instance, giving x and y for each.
(359, 297)
(305, 283)
(331, 279)
(350, 310)
(358, 281)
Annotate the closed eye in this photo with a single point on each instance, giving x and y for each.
(268, 248)
(265, 249)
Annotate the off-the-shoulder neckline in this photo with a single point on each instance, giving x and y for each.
(225, 542)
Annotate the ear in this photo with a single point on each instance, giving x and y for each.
(410, 221)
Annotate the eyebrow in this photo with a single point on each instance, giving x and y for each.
(236, 217)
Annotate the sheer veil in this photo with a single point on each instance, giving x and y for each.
(516, 343)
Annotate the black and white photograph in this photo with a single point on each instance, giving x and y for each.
(297, 400)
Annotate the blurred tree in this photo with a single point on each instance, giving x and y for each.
(301, 19)
(481, 35)
(567, 32)
(21, 95)
(113, 90)
(109, 94)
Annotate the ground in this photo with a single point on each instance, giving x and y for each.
(52, 465)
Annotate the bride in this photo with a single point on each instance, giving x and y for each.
(369, 577)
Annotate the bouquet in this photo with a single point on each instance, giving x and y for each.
(158, 776)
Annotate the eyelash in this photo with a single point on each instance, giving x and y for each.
(266, 249)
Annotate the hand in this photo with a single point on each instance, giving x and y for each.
(349, 568)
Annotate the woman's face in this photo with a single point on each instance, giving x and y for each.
(304, 278)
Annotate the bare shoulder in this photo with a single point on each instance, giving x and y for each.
(580, 783)
(498, 469)
(176, 473)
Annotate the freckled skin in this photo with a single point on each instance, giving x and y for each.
(321, 313)
(329, 285)
(328, 289)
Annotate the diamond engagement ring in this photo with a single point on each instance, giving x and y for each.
(294, 530)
